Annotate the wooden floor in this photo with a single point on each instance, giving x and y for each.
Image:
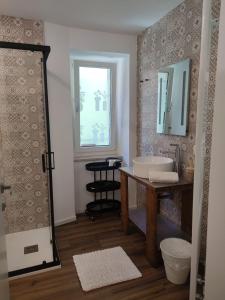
(85, 236)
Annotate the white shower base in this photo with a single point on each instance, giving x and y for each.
(15, 243)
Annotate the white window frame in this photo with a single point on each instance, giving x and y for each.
(96, 150)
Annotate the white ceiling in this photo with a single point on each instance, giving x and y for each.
(122, 16)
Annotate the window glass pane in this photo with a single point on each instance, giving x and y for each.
(95, 106)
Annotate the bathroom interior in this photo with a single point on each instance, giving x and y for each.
(111, 117)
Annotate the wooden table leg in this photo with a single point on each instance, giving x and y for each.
(186, 212)
(151, 227)
(124, 201)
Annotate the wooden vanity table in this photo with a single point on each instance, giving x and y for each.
(154, 230)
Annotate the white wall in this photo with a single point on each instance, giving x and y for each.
(215, 258)
(123, 109)
(61, 122)
(63, 40)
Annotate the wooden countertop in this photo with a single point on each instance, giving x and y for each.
(183, 184)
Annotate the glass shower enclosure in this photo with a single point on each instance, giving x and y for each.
(27, 158)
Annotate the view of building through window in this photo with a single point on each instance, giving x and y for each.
(95, 106)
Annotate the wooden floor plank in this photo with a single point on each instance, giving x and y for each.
(85, 236)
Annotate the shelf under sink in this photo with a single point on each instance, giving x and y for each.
(165, 227)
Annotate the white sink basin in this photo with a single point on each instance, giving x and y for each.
(143, 164)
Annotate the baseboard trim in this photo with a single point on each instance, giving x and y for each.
(65, 221)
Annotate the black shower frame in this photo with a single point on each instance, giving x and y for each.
(45, 51)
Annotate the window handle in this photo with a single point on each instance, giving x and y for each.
(78, 106)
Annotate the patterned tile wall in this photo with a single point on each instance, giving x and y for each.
(22, 127)
(175, 37)
(19, 30)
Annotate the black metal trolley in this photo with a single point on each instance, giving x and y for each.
(101, 186)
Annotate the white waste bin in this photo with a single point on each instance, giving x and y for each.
(176, 255)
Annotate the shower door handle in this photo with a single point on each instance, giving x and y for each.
(53, 160)
(3, 188)
(45, 161)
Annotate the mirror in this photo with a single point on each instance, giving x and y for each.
(173, 98)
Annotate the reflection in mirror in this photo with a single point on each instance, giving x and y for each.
(173, 98)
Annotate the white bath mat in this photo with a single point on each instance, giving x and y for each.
(105, 267)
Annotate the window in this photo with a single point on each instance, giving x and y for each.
(94, 106)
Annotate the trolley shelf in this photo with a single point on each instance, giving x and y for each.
(102, 166)
(103, 205)
(103, 186)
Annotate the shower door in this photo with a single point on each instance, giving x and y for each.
(27, 158)
(4, 287)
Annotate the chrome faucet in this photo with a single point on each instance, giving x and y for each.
(176, 153)
(177, 157)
